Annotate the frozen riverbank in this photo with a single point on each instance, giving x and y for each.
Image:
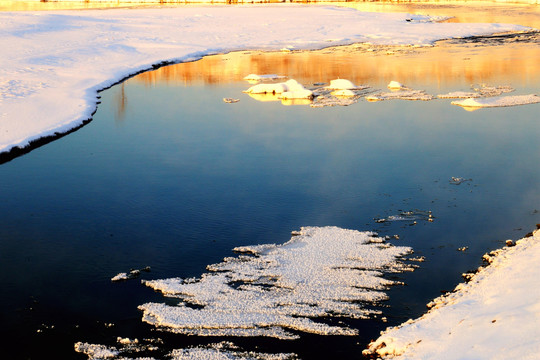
(59, 60)
(493, 316)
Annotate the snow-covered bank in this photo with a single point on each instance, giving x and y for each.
(494, 316)
(58, 61)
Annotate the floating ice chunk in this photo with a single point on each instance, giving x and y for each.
(458, 180)
(267, 89)
(410, 216)
(255, 77)
(297, 94)
(396, 85)
(282, 287)
(132, 274)
(459, 95)
(402, 95)
(225, 351)
(486, 91)
(230, 100)
(293, 87)
(96, 351)
(344, 93)
(501, 101)
(342, 84)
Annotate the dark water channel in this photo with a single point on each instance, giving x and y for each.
(169, 176)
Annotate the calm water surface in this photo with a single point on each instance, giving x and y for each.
(169, 176)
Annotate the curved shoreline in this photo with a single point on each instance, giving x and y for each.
(50, 87)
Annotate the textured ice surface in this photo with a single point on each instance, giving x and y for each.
(269, 290)
(500, 101)
(406, 94)
(128, 349)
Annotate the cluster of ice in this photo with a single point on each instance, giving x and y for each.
(409, 216)
(481, 91)
(458, 180)
(493, 316)
(401, 94)
(271, 289)
(499, 101)
(127, 349)
(132, 274)
(96, 351)
(225, 351)
(255, 78)
(290, 89)
(58, 60)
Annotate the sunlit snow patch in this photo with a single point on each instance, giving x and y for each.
(291, 89)
(271, 289)
(501, 101)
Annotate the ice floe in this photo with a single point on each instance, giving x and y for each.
(499, 101)
(288, 90)
(408, 216)
(401, 95)
(254, 78)
(343, 84)
(126, 349)
(132, 274)
(276, 290)
(492, 316)
(395, 85)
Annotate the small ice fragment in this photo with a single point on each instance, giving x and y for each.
(396, 85)
(458, 180)
(132, 274)
(230, 100)
(341, 84)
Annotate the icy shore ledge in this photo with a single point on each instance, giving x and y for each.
(496, 315)
(56, 61)
(272, 289)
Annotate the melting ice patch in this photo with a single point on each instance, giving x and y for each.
(405, 94)
(127, 348)
(501, 101)
(269, 290)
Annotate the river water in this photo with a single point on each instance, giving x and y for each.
(167, 175)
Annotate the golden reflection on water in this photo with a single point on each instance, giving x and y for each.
(445, 67)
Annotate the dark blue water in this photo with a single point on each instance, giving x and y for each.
(178, 178)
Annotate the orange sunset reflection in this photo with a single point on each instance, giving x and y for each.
(446, 66)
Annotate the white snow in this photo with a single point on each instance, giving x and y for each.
(500, 101)
(271, 289)
(494, 316)
(54, 62)
(395, 85)
(343, 84)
